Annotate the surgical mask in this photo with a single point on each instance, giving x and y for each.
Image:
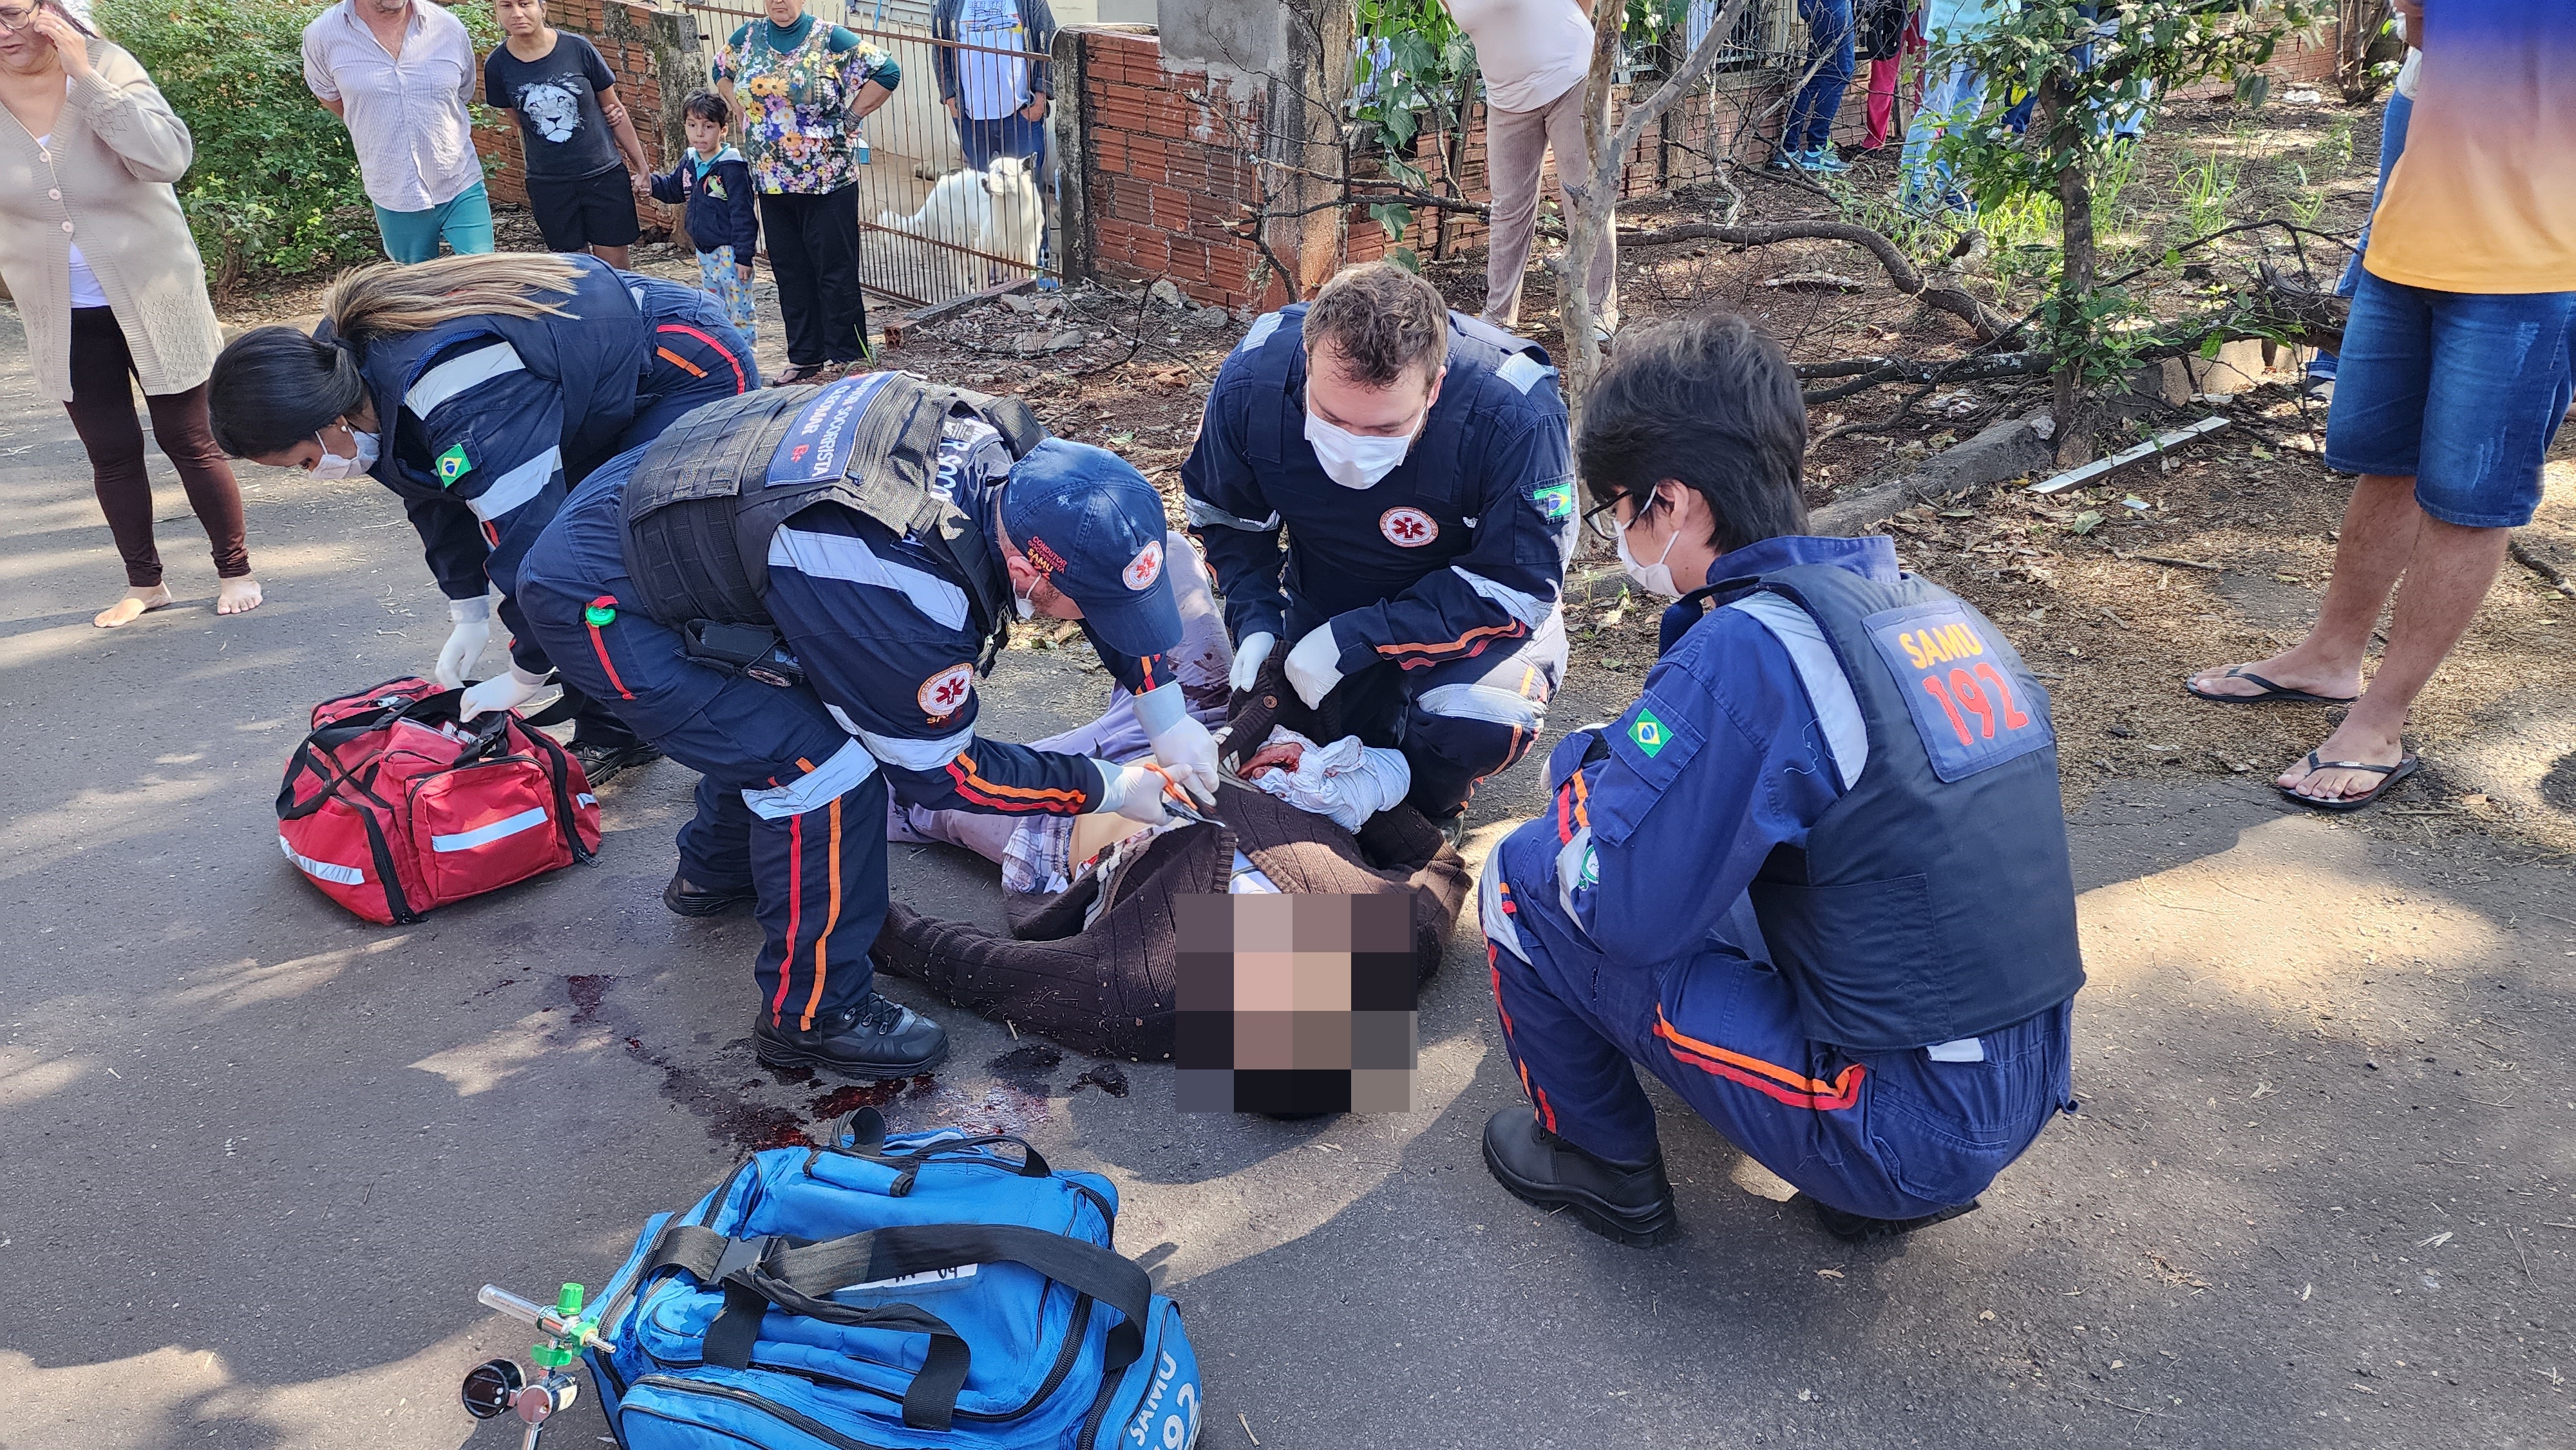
(1028, 607)
(1655, 578)
(1355, 460)
(341, 465)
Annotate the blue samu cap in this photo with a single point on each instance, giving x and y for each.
(1095, 528)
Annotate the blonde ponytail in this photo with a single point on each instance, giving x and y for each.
(391, 298)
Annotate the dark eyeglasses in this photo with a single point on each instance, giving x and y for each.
(1603, 520)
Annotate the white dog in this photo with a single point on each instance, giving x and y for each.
(998, 212)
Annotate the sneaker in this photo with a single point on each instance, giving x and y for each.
(1788, 161)
(1628, 1203)
(601, 762)
(873, 1039)
(1823, 159)
(687, 898)
(1860, 1228)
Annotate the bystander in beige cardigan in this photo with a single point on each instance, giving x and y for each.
(117, 147)
(88, 166)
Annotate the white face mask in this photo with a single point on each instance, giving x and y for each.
(340, 465)
(1356, 460)
(1655, 578)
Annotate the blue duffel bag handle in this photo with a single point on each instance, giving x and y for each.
(756, 1273)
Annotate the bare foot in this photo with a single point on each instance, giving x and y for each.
(2288, 671)
(136, 604)
(237, 596)
(2325, 783)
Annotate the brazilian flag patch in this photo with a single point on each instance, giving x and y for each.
(453, 465)
(1649, 734)
(1556, 501)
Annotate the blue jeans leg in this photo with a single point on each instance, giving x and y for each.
(1829, 49)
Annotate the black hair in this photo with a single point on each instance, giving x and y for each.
(1711, 403)
(274, 387)
(707, 106)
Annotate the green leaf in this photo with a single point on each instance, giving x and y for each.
(1394, 218)
(1406, 258)
(2085, 523)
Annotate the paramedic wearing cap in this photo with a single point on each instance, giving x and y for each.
(1418, 460)
(884, 634)
(1815, 879)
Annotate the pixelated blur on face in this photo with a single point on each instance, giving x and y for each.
(1394, 411)
(705, 136)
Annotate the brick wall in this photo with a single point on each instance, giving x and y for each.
(655, 69)
(1166, 171)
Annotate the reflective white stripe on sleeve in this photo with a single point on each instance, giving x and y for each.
(528, 819)
(1530, 610)
(1262, 327)
(1491, 704)
(457, 374)
(1958, 1049)
(517, 486)
(1489, 908)
(1201, 514)
(345, 875)
(585, 799)
(1521, 370)
(907, 754)
(1828, 688)
(849, 766)
(841, 556)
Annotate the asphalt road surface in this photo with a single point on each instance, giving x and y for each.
(256, 1156)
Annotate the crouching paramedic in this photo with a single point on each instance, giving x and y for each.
(479, 389)
(1417, 459)
(1815, 879)
(793, 592)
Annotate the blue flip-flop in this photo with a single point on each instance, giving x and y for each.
(2272, 694)
(2406, 765)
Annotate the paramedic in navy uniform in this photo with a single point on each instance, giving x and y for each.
(480, 389)
(1418, 461)
(885, 632)
(1815, 879)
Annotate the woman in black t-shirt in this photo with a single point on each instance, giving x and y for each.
(585, 164)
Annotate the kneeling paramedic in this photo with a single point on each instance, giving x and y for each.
(792, 592)
(1815, 879)
(1417, 459)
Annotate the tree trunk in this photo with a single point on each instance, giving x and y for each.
(2075, 276)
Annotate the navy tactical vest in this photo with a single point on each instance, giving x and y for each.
(1935, 900)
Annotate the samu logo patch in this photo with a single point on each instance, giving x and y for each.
(945, 693)
(1408, 528)
(1972, 701)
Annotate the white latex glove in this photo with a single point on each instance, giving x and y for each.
(1248, 658)
(1189, 753)
(1312, 667)
(465, 642)
(501, 692)
(1133, 791)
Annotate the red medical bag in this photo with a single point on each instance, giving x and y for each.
(393, 806)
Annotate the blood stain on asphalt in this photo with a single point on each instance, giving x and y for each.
(1027, 1067)
(587, 995)
(1109, 1077)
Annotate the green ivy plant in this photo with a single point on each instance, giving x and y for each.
(1415, 72)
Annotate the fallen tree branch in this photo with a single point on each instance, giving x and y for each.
(1934, 291)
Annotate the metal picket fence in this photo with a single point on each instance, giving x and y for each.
(930, 229)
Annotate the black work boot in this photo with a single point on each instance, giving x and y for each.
(1631, 1203)
(1860, 1228)
(601, 762)
(872, 1039)
(687, 898)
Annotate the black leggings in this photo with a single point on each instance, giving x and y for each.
(102, 409)
(814, 253)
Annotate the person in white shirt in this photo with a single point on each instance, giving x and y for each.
(399, 74)
(1534, 54)
(996, 78)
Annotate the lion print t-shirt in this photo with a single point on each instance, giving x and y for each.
(556, 98)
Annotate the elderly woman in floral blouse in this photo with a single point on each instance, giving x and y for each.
(804, 86)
